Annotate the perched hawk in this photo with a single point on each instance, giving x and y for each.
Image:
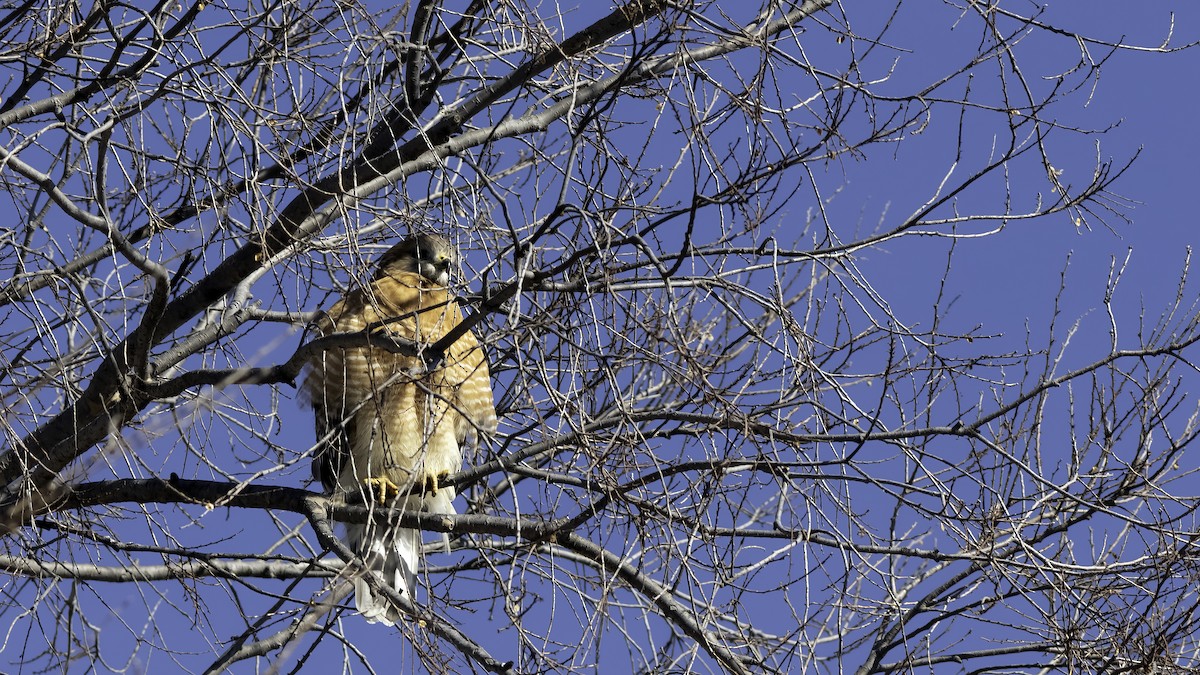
(386, 424)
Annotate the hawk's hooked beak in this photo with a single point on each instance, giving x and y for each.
(440, 269)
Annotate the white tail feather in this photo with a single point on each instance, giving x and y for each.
(392, 555)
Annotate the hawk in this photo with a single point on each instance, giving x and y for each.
(388, 425)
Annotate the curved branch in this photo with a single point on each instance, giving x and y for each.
(658, 594)
(318, 512)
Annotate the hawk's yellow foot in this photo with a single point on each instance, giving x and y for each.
(434, 481)
(386, 489)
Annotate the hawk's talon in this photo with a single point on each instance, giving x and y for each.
(434, 481)
(384, 486)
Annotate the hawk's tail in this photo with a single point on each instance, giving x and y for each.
(393, 555)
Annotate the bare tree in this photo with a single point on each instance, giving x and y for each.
(725, 444)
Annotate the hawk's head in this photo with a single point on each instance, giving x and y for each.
(429, 255)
